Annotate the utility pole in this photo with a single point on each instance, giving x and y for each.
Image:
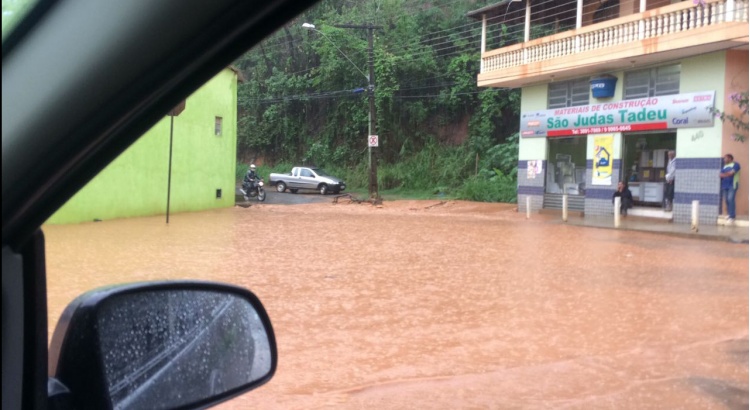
(173, 113)
(372, 128)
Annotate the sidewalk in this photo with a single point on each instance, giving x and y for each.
(735, 234)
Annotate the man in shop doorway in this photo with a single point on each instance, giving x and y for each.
(669, 186)
(730, 181)
(626, 197)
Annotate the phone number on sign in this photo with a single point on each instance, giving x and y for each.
(598, 130)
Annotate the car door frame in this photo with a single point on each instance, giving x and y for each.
(119, 67)
(308, 182)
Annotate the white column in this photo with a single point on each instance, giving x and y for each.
(484, 33)
(643, 6)
(694, 223)
(730, 10)
(527, 28)
(617, 211)
(528, 207)
(641, 29)
(484, 43)
(565, 208)
(579, 24)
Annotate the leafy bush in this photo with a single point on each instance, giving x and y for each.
(434, 170)
(240, 171)
(500, 188)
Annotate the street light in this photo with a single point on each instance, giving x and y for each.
(373, 188)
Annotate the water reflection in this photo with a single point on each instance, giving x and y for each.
(455, 306)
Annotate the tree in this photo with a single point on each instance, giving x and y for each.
(298, 102)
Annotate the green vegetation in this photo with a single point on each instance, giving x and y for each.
(739, 121)
(435, 172)
(439, 133)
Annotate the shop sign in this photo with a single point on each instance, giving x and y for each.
(602, 167)
(655, 113)
(533, 168)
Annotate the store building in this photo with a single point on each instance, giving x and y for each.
(608, 89)
(185, 163)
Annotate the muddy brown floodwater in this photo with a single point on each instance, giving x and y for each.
(425, 305)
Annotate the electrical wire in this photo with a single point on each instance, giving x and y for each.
(462, 51)
(453, 33)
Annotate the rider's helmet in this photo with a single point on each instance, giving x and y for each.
(252, 166)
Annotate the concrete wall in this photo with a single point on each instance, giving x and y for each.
(135, 184)
(530, 187)
(532, 149)
(736, 80)
(699, 149)
(599, 197)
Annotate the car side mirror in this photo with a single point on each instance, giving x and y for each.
(162, 345)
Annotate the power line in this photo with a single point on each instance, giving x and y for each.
(461, 49)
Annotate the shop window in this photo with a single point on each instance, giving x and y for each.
(644, 165)
(566, 166)
(652, 82)
(568, 93)
(218, 122)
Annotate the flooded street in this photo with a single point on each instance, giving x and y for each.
(420, 304)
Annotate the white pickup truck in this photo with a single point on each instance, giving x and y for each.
(307, 178)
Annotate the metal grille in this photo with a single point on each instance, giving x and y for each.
(568, 93)
(652, 82)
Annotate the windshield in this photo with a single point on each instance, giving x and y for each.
(13, 12)
(321, 172)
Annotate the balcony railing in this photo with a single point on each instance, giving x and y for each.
(676, 18)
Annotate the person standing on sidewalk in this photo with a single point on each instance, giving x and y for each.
(669, 187)
(730, 182)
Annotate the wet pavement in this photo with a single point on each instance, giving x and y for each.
(443, 305)
(735, 234)
(283, 198)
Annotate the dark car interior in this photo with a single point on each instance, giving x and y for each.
(81, 82)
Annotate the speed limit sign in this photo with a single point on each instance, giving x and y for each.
(372, 141)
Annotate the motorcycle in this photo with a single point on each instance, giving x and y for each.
(253, 190)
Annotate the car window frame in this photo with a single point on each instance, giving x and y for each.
(42, 177)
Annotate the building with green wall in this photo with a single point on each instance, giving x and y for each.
(204, 147)
(610, 88)
(684, 88)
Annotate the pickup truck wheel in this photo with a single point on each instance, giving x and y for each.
(294, 190)
(323, 189)
(280, 187)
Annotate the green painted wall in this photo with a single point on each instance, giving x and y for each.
(533, 98)
(702, 73)
(135, 184)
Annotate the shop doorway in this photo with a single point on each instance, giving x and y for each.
(644, 167)
(566, 173)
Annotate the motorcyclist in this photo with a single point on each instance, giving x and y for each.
(250, 178)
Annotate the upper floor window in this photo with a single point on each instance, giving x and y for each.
(568, 93)
(218, 122)
(652, 82)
